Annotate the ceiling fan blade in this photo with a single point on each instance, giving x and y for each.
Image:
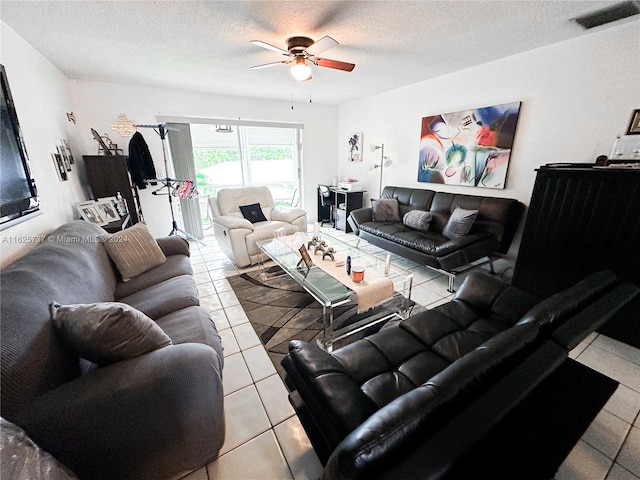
(335, 64)
(325, 43)
(265, 65)
(273, 48)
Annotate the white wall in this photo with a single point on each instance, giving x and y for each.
(576, 97)
(101, 103)
(43, 96)
(42, 99)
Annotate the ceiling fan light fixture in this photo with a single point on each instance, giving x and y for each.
(300, 70)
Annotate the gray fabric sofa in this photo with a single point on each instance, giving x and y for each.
(152, 416)
(490, 236)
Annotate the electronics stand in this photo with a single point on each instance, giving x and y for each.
(161, 129)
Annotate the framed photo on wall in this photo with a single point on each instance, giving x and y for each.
(355, 147)
(59, 164)
(63, 155)
(634, 124)
(67, 148)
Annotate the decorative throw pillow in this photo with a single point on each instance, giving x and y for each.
(107, 332)
(133, 250)
(385, 210)
(417, 219)
(253, 213)
(459, 223)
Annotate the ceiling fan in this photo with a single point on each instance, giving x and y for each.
(301, 50)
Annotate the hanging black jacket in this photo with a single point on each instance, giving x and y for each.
(140, 161)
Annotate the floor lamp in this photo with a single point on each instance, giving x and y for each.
(384, 162)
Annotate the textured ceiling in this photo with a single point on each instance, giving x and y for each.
(204, 45)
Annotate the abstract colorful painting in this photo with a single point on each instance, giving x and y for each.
(470, 148)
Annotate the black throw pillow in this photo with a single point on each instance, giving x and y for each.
(253, 213)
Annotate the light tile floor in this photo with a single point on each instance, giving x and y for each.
(265, 440)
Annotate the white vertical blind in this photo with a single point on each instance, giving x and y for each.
(184, 167)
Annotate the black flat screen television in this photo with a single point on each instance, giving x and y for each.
(18, 192)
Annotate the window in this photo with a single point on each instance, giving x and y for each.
(248, 155)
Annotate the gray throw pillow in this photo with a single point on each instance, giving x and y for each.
(459, 223)
(386, 210)
(107, 332)
(417, 219)
(133, 250)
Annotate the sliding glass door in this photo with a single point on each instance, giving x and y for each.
(247, 155)
(241, 154)
(272, 160)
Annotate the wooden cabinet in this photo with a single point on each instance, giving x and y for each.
(581, 220)
(107, 175)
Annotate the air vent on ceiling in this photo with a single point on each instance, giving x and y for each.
(609, 14)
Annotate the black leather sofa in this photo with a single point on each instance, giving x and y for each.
(490, 236)
(422, 396)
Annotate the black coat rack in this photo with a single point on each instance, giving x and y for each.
(167, 183)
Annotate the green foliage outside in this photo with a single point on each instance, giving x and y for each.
(201, 179)
(207, 157)
(270, 152)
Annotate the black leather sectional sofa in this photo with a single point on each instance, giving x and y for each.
(422, 396)
(490, 236)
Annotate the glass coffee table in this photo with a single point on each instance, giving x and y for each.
(332, 293)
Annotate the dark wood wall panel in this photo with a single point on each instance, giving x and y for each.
(109, 174)
(582, 220)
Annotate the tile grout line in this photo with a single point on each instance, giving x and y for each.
(608, 352)
(626, 437)
(225, 269)
(613, 460)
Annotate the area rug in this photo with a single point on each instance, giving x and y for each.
(533, 439)
(280, 311)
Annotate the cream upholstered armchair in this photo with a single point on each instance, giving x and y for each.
(238, 232)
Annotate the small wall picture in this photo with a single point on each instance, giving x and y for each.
(355, 147)
(67, 148)
(107, 209)
(65, 159)
(634, 124)
(59, 164)
(90, 213)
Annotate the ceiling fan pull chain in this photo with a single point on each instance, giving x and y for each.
(291, 89)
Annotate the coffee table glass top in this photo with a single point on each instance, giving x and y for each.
(320, 284)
